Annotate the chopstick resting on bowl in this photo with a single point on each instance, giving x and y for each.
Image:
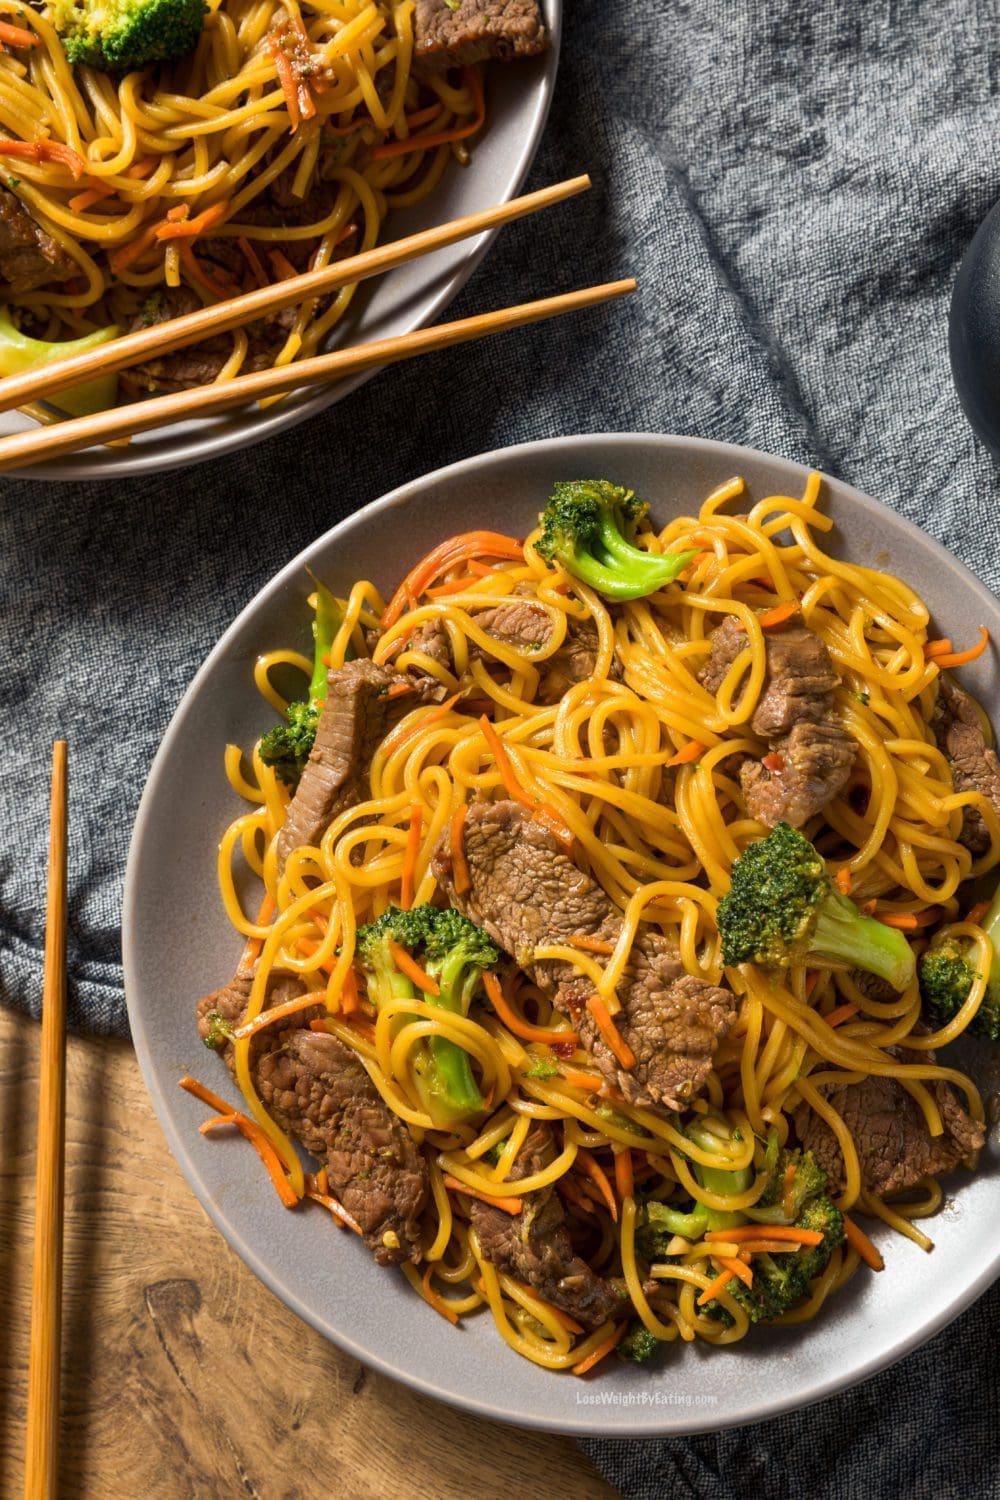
(42, 1436)
(22, 449)
(220, 317)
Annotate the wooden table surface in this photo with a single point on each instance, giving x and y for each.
(183, 1376)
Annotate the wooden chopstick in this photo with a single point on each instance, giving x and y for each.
(42, 1444)
(178, 333)
(21, 449)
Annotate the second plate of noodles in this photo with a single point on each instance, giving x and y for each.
(607, 900)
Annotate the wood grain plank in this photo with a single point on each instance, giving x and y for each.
(182, 1375)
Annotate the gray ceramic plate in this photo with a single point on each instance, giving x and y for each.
(178, 945)
(412, 296)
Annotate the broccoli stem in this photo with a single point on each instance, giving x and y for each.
(451, 1081)
(841, 932)
(329, 618)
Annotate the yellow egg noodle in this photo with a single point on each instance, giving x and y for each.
(661, 844)
(211, 133)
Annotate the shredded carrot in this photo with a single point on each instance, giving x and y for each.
(869, 907)
(938, 648)
(571, 1191)
(82, 201)
(715, 1287)
(197, 272)
(689, 752)
(408, 965)
(581, 1080)
(46, 151)
(286, 77)
(840, 1014)
(126, 255)
(461, 879)
(281, 265)
(736, 1267)
(226, 1115)
(774, 762)
(440, 137)
(337, 1210)
(410, 857)
(350, 999)
(542, 811)
(909, 921)
(253, 945)
(398, 738)
(771, 618)
(178, 213)
(859, 1241)
(397, 689)
(590, 944)
(444, 556)
(612, 1341)
(17, 36)
(592, 1168)
(609, 1031)
(509, 1205)
(624, 1177)
(960, 658)
(976, 913)
(517, 1024)
(423, 116)
(787, 1183)
(142, 167)
(754, 1231)
(253, 261)
(844, 880)
(436, 1301)
(189, 229)
(278, 1013)
(453, 586)
(480, 569)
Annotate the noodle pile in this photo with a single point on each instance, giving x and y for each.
(207, 135)
(661, 841)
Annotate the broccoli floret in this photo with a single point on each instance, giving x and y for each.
(638, 1345)
(287, 746)
(119, 35)
(18, 353)
(657, 1223)
(542, 1067)
(453, 952)
(219, 1030)
(587, 526)
(781, 1280)
(807, 1181)
(783, 908)
(947, 973)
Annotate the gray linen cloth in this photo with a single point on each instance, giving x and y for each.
(793, 184)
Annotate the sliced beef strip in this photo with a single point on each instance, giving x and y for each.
(200, 363)
(534, 1246)
(450, 36)
(974, 766)
(797, 715)
(527, 893)
(890, 1132)
(526, 626)
(317, 1090)
(29, 257)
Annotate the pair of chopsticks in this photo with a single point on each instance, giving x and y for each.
(42, 1441)
(25, 448)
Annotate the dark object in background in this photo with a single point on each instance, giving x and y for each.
(974, 331)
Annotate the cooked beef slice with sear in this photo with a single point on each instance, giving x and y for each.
(894, 1146)
(528, 893)
(526, 626)
(320, 1093)
(797, 715)
(29, 257)
(534, 1246)
(200, 363)
(958, 729)
(450, 35)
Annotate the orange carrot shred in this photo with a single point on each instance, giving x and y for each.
(542, 811)
(773, 761)
(516, 1023)
(410, 857)
(737, 1267)
(715, 1287)
(440, 137)
(17, 36)
(253, 260)
(909, 921)
(609, 1031)
(624, 1176)
(281, 265)
(777, 616)
(976, 913)
(408, 965)
(436, 1301)
(844, 880)
(189, 229)
(454, 586)
(581, 1080)
(590, 944)
(461, 879)
(445, 555)
(612, 1341)
(962, 658)
(46, 150)
(509, 1205)
(688, 753)
(337, 1211)
(197, 272)
(859, 1241)
(840, 1014)
(754, 1231)
(400, 737)
(592, 1168)
(226, 1115)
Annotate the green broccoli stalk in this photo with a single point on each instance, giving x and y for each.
(119, 35)
(587, 526)
(783, 909)
(779, 1281)
(658, 1223)
(287, 746)
(947, 974)
(453, 952)
(638, 1345)
(18, 352)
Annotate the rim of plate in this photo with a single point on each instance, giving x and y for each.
(582, 1420)
(233, 432)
